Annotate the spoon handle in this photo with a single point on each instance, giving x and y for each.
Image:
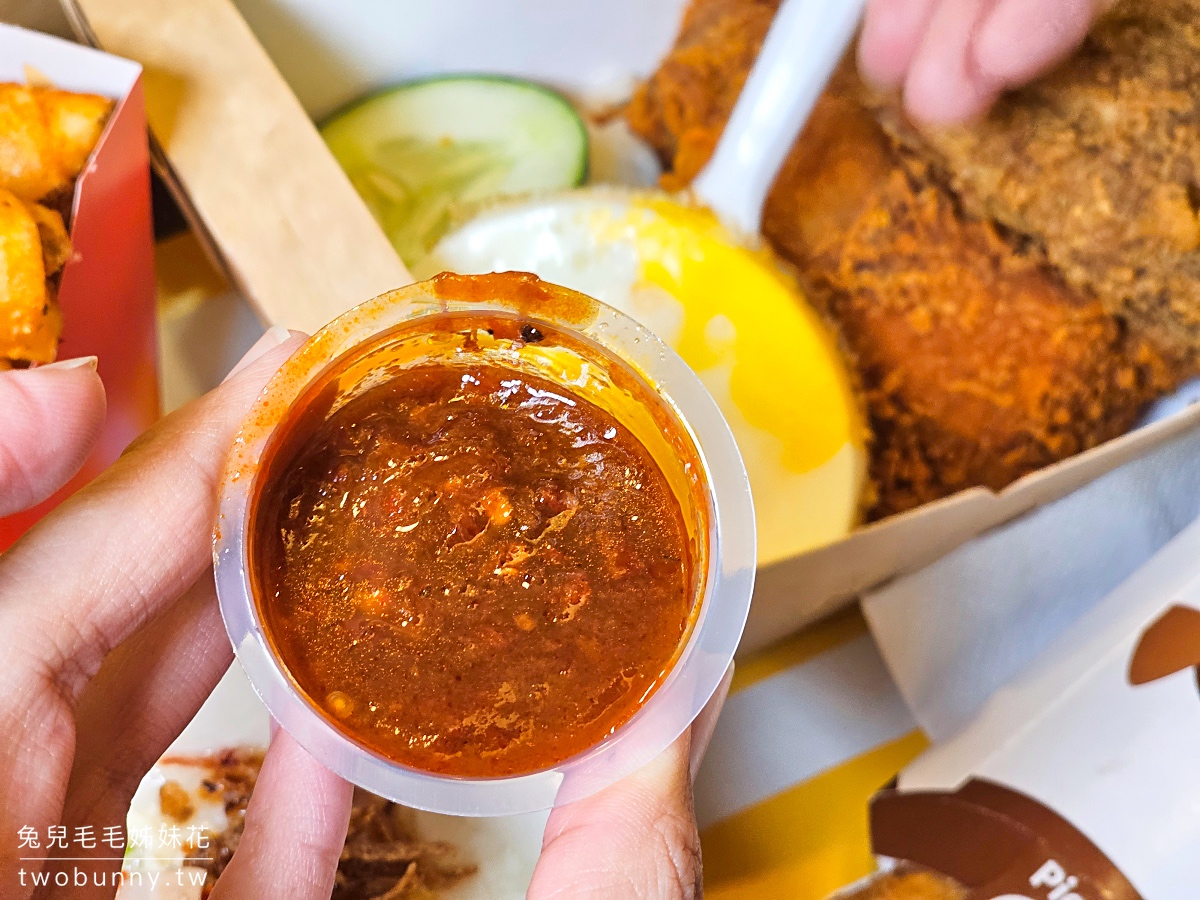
(803, 47)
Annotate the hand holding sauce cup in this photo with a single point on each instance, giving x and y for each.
(485, 545)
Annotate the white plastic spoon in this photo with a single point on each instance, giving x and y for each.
(803, 47)
(701, 284)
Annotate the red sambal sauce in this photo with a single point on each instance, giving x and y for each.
(470, 570)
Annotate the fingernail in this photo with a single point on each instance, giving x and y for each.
(272, 338)
(79, 362)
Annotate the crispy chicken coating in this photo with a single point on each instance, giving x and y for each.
(28, 167)
(46, 136)
(29, 318)
(75, 122)
(1099, 163)
(978, 364)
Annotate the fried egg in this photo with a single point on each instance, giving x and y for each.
(731, 312)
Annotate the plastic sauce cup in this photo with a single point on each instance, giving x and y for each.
(726, 515)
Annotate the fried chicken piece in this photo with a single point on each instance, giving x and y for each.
(28, 167)
(682, 109)
(977, 363)
(52, 231)
(46, 137)
(1099, 163)
(76, 122)
(30, 322)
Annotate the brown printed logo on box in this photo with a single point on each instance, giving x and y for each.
(996, 842)
(1171, 644)
(1081, 780)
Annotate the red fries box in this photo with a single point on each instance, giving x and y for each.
(107, 291)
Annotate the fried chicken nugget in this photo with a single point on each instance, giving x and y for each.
(30, 322)
(46, 137)
(28, 167)
(56, 243)
(75, 123)
(977, 363)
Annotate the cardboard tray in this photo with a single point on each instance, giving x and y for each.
(790, 593)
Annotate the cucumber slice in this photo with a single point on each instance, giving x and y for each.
(415, 151)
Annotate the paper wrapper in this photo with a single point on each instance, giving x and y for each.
(107, 291)
(1080, 779)
(957, 631)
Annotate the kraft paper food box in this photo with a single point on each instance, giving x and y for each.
(107, 291)
(1080, 780)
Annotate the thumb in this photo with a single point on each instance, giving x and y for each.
(636, 839)
(50, 417)
(295, 828)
